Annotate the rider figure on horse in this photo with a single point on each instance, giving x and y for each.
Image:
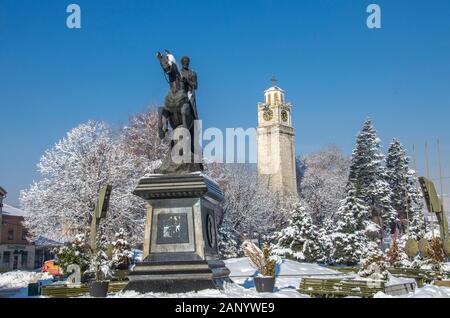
(179, 110)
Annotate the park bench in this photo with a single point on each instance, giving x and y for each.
(345, 287)
(64, 291)
(335, 287)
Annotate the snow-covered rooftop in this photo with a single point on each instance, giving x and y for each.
(274, 88)
(44, 241)
(10, 210)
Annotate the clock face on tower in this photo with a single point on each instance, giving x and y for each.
(268, 115)
(284, 115)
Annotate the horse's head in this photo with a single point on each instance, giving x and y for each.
(169, 65)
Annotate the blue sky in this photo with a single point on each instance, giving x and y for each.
(336, 71)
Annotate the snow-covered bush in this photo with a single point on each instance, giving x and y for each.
(373, 263)
(394, 255)
(121, 253)
(99, 262)
(76, 253)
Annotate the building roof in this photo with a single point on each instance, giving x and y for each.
(10, 210)
(274, 88)
(44, 241)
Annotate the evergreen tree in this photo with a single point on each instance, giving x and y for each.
(373, 263)
(406, 197)
(397, 169)
(349, 238)
(325, 240)
(300, 239)
(368, 175)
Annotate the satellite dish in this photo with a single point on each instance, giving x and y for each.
(411, 248)
(424, 247)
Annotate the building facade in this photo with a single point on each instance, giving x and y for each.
(276, 148)
(16, 251)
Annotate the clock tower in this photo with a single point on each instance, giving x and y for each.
(275, 136)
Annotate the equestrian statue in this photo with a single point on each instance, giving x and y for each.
(180, 112)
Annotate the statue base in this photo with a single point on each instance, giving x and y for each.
(180, 244)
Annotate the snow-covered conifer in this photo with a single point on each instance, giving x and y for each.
(349, 238)
(300, 239)
(406, 197)
(368, 175)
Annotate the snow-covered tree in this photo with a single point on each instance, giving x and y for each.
(323, 182)
(140, 136)
(228, 241)
(300, 239)
(92, 155)
(325, 241)
(395, 255)
(368, 176)
(248, 207)
(373, 263)
(349, 237)
(406, 197)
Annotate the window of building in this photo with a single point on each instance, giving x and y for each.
(38, 258)
(6, 256)
(10, 235)
(24, 260)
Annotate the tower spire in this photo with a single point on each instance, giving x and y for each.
(274, 80)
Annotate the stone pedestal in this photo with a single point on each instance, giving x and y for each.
(180, 244)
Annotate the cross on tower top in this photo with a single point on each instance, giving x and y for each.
(274, 80)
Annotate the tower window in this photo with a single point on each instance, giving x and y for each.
(276, 98)
(269, 99)
(10, 235)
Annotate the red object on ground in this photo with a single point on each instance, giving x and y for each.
(51, 268)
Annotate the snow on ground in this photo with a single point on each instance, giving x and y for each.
(230, 291)
(21, 279)
(289, 274)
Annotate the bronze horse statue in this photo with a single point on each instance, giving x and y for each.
(178, 111)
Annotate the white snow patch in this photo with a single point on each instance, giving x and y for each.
(21, 279)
